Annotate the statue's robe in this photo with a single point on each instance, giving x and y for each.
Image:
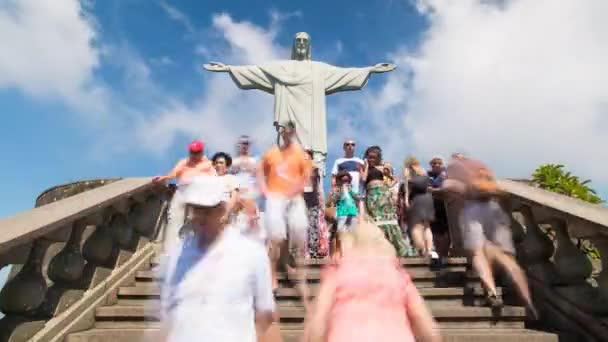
(299, 89)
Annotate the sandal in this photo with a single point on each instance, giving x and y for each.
(493, 301)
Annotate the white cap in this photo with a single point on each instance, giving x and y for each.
(204, 191)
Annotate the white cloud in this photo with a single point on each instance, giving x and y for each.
(163, 61)
(175, 14)
(48, 51)
(224, 111)
(515, 83)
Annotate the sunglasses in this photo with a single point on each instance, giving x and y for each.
(349, 144)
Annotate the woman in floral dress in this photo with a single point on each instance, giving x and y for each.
(379, 203)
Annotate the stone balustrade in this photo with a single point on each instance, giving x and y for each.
(63, 250)
(570, 291)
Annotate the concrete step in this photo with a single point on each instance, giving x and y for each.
(143, 294)
(510, 315)
(422, 277)
(136, 334)
(407, 262)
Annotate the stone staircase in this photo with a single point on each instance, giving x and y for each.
(453, 294)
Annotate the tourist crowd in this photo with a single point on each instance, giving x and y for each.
(222, 255)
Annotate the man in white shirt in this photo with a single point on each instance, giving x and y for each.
(348, 163)
(218, 283)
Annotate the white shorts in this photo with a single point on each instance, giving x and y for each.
(284, 214)
(347, 223)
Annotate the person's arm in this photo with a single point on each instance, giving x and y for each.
(172, 174)
(231, 205)
(406, 185)
(262, 290)
(334, 172)
(421, 320)
(317, 320)
(299, 183)
(261, 176)
(364, 171)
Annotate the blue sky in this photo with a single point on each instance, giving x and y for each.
(114, 88)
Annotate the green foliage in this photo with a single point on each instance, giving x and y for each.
(552, 177)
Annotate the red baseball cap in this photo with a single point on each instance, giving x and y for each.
(196, 146)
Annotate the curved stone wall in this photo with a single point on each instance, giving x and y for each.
(70, 189)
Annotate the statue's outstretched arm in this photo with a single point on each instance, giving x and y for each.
(383, 67)
(216, 67)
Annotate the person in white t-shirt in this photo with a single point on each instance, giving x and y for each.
(218, 284)
(349, 163)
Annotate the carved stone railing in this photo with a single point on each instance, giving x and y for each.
(62, 191)
(570, 292)
(69, 254)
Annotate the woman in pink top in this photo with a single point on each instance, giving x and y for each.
(353, 305)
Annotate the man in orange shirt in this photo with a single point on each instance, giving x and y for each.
(185, 170)
(282, 175)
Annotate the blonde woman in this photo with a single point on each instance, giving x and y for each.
(420, 207)
(352, 306)
(391, 181)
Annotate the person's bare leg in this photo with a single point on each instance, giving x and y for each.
(301, 276)
(482, 266)
(272, 334)
(417, 232)
(428, 238)
(509, 265)
(274, 255)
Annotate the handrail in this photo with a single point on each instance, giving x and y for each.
(594, 213)
(34, 223)
(74, 250)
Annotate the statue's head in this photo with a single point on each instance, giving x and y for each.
(301, 47)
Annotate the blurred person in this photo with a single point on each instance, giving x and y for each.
(195, 165)
(391, 182)
(349, 163)
(379, 201)
(222, 162)
(439, 227)
(244, 167)
(420, 208)
(354, 306)
(210, 292)
(248, 209)
(316, 242)
(347, 211)
(486, 227)
(282, 176)
(436, 172)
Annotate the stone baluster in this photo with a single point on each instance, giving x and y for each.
(601, 243)
(98, 250)
(22, 295)
(66, 270)
(573, 270)
(536, 248)
(571, 264)
(145, 215)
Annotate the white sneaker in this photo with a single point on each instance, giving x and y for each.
(434, 255)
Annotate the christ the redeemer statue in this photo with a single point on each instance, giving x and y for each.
(299, 86)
